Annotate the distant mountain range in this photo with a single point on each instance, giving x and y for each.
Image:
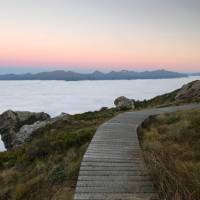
(195, 74)
(97, 75)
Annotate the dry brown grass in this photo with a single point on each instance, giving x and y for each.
(171, 145)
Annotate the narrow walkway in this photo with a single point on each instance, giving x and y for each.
(113, 167)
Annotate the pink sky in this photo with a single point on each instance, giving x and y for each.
(112, 34)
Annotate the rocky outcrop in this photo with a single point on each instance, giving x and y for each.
(189, 91)
(11, 122)
(123, 103)
(27, 132)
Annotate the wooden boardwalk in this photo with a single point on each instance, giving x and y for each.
(113, 167)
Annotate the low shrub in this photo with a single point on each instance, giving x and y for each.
(58, 174)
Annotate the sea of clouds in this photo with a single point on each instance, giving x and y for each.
(54, 97)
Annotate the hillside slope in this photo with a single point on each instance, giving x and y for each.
(188, 93)
(47, 166)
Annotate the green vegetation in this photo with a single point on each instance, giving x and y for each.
(171, 144)
(187, 94)
(47, 167)
(161, 101)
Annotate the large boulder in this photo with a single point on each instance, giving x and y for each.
(11, 122)
(27, 132)
(190, 91)
(123, 103)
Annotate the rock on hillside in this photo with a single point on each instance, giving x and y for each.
(123, 103)
(189, 91)
(27, 132)
(11, 122)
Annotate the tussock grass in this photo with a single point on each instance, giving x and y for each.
(171, 145)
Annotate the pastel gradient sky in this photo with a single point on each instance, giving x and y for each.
(100, 34)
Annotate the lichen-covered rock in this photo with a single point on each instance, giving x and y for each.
(27, 132)
(123, 103)
(189, 91)
(11, 122)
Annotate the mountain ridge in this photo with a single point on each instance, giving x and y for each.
(96, 75)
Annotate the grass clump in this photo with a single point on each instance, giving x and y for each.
(171, 145)
(47, 167)
(57, 175)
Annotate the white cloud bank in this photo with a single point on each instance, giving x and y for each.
(71, 97)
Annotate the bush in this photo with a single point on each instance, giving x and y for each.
(57, 175)
(39, 149)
